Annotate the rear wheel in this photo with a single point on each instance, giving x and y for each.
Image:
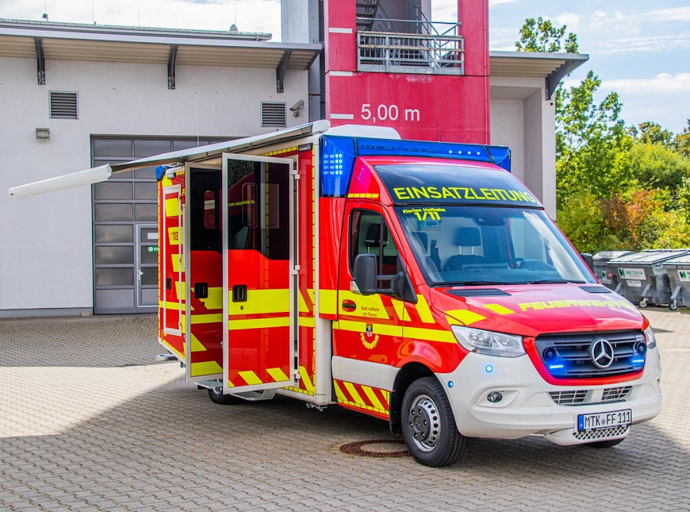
(605, 444)
(644, 302)
(217, 396)
(428, 424)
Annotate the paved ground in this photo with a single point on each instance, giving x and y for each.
(88, 421)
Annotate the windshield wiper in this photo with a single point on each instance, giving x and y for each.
(555, 281)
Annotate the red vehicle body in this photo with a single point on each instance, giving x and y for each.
(417, 282)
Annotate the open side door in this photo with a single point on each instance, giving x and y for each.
(204, 273)
(260, 302)
(172, 268)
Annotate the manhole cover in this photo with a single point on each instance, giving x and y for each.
(376, 448)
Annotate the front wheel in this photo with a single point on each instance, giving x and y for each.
(428, 424)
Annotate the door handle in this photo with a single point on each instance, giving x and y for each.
(239, 293)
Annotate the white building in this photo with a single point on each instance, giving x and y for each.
(76, 96)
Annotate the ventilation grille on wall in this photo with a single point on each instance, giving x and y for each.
(63, 105)
(273, 114)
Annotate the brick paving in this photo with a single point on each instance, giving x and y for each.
(88, 421)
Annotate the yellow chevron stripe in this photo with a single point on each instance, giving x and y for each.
(424, 310)
(172, 306)
(497, 308)
(177, 262)
(277, 374)
(400, 310)
(386, 395)
(354, 394)
(180, 290)
(465, 316)
(250, 377)
(307, 381)
(214, 299)
(205, 368)
(373, 398)
(196, 345)
(174, 236)
(302, 304)
(339, 394)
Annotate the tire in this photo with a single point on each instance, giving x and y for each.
(673, 305)
(220, 398)
(605, 444)
(644, 303)
(428, 424)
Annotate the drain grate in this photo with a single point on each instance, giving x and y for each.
(376, 448)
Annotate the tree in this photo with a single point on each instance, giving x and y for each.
(652, 133)
(543, 36)
(683, 140)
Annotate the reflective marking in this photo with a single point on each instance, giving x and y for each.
(306, 321)
(339, 393)
(400, 310)
(250, 378)
(197, 346)
(180, 290)
(424, 310)
(214, 299)
(261, 302)
(207, 319)
(174, 236)
(307, 381)
(440, 335)
(205, 368)
(258, 323)
(172, 306)
(465, 316)
(353, 393)
(367, 307)
(372, 397)
(327, 302)
(176, 262)
(497, 308)
(277, 374)
(172, 207)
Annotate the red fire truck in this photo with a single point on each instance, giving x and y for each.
(418, 282)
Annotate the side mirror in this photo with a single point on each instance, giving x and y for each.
(364, 274)
(588, 259)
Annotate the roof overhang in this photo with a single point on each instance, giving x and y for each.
(71, 41)
(550, 66)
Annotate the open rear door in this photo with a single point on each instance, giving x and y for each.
(259, 273)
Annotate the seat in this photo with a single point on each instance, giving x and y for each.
(465, 237)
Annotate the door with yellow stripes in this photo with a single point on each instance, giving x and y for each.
(260, 273)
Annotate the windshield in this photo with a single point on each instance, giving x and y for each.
(476, 245)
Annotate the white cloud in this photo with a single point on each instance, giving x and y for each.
(644, 44)
(570, 19)
(494, 3)
(663, 83)
(672, 14)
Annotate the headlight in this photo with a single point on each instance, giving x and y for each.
(488, 342)
(649, 337)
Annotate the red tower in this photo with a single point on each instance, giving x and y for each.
(428, 80)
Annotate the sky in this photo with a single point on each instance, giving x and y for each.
(639, 49)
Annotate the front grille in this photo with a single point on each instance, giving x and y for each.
(608, 433)
(569, 397)
(567, 356)
(616, 394)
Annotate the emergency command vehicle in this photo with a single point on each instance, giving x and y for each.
(418, 282)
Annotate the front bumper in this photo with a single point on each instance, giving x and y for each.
(527, 407)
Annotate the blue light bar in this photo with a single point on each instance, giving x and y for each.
(337, 161)
(638, 361)
(338, 155)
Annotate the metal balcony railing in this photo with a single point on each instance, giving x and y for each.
(411, 46)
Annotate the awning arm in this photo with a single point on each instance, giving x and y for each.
(75, 179)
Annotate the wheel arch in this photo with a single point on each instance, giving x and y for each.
(406, 376)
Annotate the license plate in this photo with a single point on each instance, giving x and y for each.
(604, 420)
(635, 284)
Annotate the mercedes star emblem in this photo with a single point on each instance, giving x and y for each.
(601, 352)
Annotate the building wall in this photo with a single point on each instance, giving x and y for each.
(46, 241)
(523, 119)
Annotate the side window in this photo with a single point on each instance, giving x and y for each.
(369, 234)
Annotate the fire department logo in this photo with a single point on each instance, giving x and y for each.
(369, 339)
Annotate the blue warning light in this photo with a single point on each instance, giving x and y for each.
(489, 368)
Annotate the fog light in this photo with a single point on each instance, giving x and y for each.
(549, 354)
(640, 347)
(494, 397)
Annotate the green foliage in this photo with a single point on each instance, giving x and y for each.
(543, 36)
(682, 141)
(655, 165)
(653, 133)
